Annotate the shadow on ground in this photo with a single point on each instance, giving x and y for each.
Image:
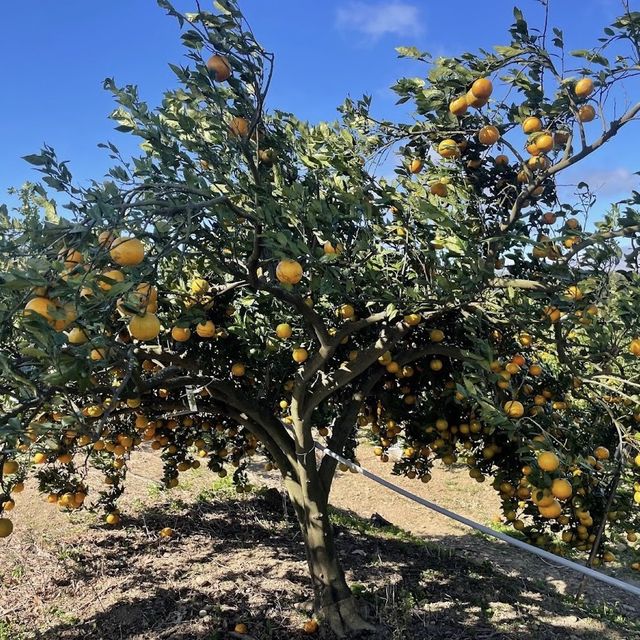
(241, 560)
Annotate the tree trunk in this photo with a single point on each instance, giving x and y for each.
(333, 600)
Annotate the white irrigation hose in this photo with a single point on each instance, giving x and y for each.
(558, 560)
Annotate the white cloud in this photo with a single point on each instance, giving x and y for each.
(375, 20)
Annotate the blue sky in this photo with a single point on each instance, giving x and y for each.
(56, 54)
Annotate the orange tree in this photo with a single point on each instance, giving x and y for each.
(249, 284)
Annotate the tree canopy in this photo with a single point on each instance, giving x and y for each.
(251, 282)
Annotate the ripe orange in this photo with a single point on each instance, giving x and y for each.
(77, 336)
(300, 355)
(241, 628)
(549, 218)
(561, 489)
(586, 113)
(601, 453)
(238, 370)
(436, 335)
(220, 67)
(206, 329)
(283, 331)
(584, 87)
(239, 127)
(166, 532)
(501, 160)
(9, 467)
(415, 165)
(488, 135)
(127, 252)
(531, 125)
(180, 334)
(475, 101)
(548, 461)
(634, 346)
(551, 511)
(539, 163)
(39, 458)
(42, 306)
(552, 314)
(448, 148)
(482, 88)
(544, 142)
(289, 271)
(105, 277)
(535, 370)
(514, 408)
(106, 239)
(413, 319)
(145, 327)
(346, 311)
(6, 527)
(71, 258)
(435, 365)
(458, 106)
(113, 518)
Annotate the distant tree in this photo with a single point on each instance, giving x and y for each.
(255, 271)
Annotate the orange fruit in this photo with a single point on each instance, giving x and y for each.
(482, 88)
(77, 336)
(488, 135)
(346, 311)
(415, 165)
(475, 101)
(551, 511)
(413, 319)
(300, 355)
(71, 258)
(548, 461)
(531, 125)
(206, 329)
(458, 106)
(561, 489)
(601, 453)
(436, 365)
(145, 327)
(6, 527)
(289, 271)
(113, 518)
(238, 370)
(106, 276)
(436, 335)
(180, 334)
(239, 127)
(514, 408)
(220, 67)
(535, 370)
(9, 467)
(448, 148)
(544, 142)
(584, 87)
(283, 331)
(634, 346)
(105, 239)
(166, 532)
(98, 354)
(586, 113)
(549, 218)
(127, 252)
(42, 306)
(439, 189)
(241, 628)
(501, 160)
(39, 458)
(574, 293)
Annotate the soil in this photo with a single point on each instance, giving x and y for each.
(239, 558)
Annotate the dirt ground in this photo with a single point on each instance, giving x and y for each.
(238, 558)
